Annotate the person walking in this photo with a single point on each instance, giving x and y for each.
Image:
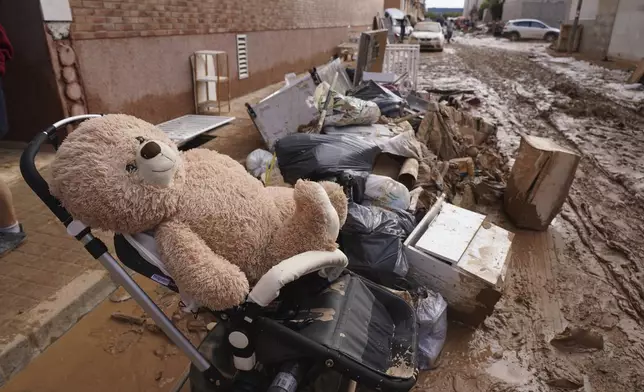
(450, 31)
(403, 22)
(11, 232)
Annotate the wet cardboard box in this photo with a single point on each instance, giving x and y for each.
(461, 255)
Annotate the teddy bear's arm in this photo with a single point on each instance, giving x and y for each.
(210, 279)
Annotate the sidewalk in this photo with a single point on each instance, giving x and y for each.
(50, 281)
(47, 283)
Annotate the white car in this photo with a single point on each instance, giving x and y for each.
(396, 17)
(429, 35)
(529, 29)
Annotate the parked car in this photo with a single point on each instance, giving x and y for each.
(529, 29)
(429, 35)
(395, 17)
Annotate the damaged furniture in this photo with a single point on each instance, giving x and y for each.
(285, 111)
(461, 255)
(210, 80)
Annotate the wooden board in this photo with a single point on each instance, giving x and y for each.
(450, 233)
(371, 53)
(486, 255)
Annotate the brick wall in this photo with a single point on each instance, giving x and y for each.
(95, 19)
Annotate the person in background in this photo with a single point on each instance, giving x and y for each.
(403, 22)
(11, 233)
(450, 30)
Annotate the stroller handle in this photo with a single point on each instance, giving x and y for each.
(30, 172)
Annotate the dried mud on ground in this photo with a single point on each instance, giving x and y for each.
(572, 316)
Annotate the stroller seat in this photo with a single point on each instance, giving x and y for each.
(360, 322)
(351, 316)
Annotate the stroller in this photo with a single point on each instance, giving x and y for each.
(306, 320)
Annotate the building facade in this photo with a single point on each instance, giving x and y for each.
(130, 56)
(552, 12)
(471, 8)
(612, 28)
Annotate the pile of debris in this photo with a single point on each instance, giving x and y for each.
(402, 157)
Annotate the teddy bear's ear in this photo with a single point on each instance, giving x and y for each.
(93, 176)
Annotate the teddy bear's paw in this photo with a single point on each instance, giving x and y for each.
(311, 199)
(227, 294)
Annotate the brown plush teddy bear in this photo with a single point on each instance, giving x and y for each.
(217, 228)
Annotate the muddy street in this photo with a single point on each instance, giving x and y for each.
(581, 282)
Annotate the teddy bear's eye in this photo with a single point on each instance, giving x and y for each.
(130, 168)
(140, 139)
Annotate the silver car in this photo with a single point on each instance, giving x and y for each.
(529, 29)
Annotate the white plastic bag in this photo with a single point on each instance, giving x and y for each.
(386, 192)
(431, 314)
(257, 162)
(404, 145)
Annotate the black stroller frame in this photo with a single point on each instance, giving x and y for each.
(294, 349)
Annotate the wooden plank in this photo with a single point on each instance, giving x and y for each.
(450, 233)
(486, 255)
(638, 74)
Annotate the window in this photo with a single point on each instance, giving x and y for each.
(432, 27)
(538, 25)
(522, 24)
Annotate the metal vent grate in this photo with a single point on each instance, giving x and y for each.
(242, 56)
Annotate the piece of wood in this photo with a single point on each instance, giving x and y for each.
(638, 74)
(487, 253)
(539, 183)
(450, 233)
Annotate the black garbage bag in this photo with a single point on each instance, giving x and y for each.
(389, 103)
(354, 184)
(317, 157)
(372, 239)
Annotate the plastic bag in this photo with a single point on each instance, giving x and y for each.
(431, 314)
(345, 110)
(372, 239)
(389, 103)
(352, 182)
(317, 157)
(386, 192)
(404, 145)
(258, 161)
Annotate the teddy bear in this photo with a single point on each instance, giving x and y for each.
(218, 229)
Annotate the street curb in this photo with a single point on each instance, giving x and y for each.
(49, 320)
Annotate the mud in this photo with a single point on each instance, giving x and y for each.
(582, 278)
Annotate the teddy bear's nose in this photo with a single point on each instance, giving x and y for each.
(150, 150)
